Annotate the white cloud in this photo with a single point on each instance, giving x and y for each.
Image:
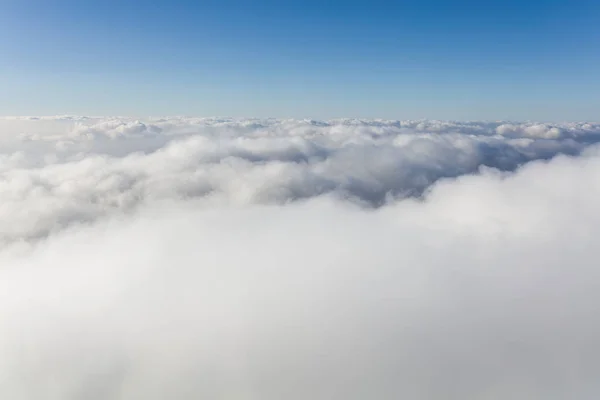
(191, 280)
(64, 170)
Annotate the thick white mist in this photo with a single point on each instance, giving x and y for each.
(486, 288)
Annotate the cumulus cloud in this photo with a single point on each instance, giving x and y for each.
(56, 172)
(267, 259)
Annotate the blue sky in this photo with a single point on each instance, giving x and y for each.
(527, 60)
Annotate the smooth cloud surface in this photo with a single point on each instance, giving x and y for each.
(265, 259)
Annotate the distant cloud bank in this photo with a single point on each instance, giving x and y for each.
(192, 258)
(57, 171)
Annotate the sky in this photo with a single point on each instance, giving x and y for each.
(438, 243)
(466, 59)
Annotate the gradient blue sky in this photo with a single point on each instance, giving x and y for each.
(520, 60)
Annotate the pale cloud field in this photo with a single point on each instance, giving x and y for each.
(188, 258)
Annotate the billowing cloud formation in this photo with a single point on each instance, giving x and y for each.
(197, 275)
(57, 171)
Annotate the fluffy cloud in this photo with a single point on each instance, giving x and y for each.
(56, 172)
(188, 258)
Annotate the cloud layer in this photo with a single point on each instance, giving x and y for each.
(252, 259)
(59, 171)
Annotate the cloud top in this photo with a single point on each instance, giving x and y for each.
(266, 259)
(62, 170)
